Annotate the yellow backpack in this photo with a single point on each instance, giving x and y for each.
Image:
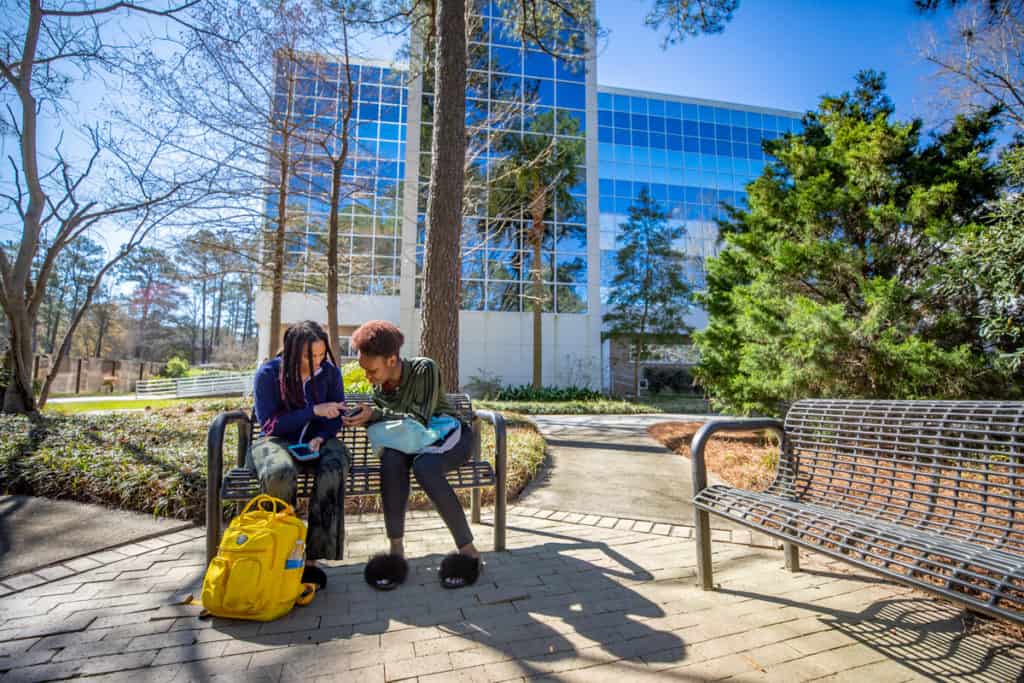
(257, 573)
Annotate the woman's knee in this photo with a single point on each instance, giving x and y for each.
(334, 457)
(278, 479)
(428, 471)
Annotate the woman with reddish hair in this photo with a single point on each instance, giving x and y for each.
(411, 389)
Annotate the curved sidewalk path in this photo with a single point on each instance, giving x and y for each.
(608, 465)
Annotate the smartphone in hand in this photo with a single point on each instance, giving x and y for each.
(351, 411)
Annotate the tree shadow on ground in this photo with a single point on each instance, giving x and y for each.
(545, 607)
(924, 634)
(8, 506)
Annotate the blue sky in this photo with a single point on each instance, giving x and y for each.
(777, 53)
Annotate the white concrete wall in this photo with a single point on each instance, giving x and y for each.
(295, 307)
(502, 344)
(498, 343)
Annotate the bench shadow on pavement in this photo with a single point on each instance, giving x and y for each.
(581, 597)
(926, 635)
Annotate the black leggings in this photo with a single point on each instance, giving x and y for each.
(429, 469)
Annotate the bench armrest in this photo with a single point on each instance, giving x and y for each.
(500, 473)
(500, 442)
(215, 469)
(700, 440)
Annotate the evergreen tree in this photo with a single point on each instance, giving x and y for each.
(828, 285)
(649, 293)
(988, 268)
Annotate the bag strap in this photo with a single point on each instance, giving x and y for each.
(275, 502)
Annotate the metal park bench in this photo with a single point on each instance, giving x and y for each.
(240, 483)
(927, 493)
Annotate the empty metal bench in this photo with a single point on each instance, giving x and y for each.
(240, 483)
(928, 493)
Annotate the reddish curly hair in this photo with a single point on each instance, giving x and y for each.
(378, 338)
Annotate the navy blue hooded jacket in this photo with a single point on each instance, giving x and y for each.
(275, 419)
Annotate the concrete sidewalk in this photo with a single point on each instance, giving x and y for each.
(567, 602)
(43, 534)
(608, 465)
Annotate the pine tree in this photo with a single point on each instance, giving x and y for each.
(649, 294)
(830, 283)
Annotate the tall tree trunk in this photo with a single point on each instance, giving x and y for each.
(337, 166)
(143, 321)
(101, 331)
(284, 160)
(217, 313)
(537, 210)
(247, 323)
(17, 289)
(636, 367)
(332, 258)
(441, 282)
(202, 323)
(19, 396)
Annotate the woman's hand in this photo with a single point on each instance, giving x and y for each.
(329, 410)
(360, 418)
(315, 443)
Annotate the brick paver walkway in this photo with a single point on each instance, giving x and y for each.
(577, 598)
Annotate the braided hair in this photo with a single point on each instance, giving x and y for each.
(299, 340)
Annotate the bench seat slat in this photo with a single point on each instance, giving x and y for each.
(967, 572)
(930, 493)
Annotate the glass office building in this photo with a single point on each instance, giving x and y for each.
(369, 210)
(514, 92)
(690, 154)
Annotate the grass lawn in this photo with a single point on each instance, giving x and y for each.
(95, 394)
(605, 406)
(106, 404)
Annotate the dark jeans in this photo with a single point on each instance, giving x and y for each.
(277, 470)
(429, 470)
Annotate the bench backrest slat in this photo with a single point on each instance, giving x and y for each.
(949, 467)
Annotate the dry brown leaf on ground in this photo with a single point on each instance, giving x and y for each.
(746, 460)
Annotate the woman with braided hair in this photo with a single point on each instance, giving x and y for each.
(299, 400)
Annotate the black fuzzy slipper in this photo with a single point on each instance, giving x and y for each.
(386, 572)
(458, 570)
(311, 574)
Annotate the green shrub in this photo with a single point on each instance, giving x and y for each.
(355, 379)
(175, 367)
(526, 392)
(484, 385)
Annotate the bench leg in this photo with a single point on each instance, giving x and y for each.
(702, 529)
(474, 505)
(792, 554)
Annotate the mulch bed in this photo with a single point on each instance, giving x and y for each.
(743, 459)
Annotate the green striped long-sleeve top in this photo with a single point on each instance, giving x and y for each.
(420, 394)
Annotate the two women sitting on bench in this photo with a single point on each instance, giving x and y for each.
(300, 399)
